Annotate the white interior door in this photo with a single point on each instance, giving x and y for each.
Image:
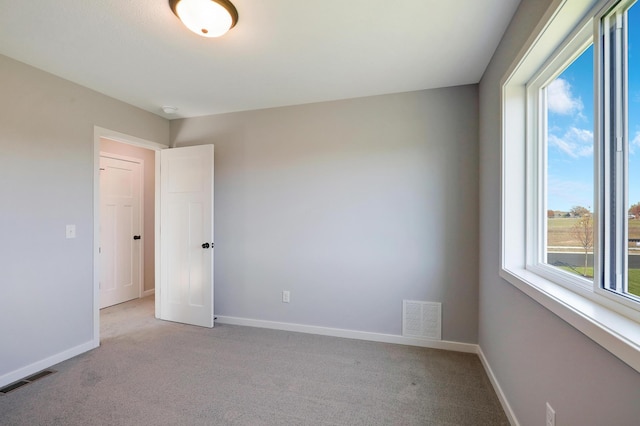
(120, 224)
(186, 236)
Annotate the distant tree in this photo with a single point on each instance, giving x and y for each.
(579, 211)
(635, 210)
(582, 230)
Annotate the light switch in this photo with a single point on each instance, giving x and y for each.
(71, 231)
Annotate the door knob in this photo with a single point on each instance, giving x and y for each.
(136, 237)
(205, 245)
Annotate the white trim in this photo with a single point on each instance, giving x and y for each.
(127, 158)
(158, 235)
(47, 362)
(98, 133)
(146, 293)
(511, 415)
(351, 334)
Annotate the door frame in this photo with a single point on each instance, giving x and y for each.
(100, 133)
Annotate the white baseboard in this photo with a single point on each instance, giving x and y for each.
(148, 292)
(351, 334)
(496, 386)
(37, 366)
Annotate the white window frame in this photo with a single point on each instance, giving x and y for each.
(612, 323)
(619, 245)
(536, 159)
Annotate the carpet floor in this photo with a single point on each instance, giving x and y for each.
(151, 372)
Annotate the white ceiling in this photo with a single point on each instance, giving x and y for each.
(281, 52)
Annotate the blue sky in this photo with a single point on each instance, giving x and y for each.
(570, 128)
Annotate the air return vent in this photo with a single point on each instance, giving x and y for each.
(422, 319)
(20, 383)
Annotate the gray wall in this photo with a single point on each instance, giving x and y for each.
(46, 182)
(352, 205)
(148, 203)
(536, 356)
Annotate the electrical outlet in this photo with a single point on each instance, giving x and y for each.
(551, 415)
(286, 296)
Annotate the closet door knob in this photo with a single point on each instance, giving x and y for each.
(205, 245)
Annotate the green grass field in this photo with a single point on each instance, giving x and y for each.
(559, 234)
(634, 277)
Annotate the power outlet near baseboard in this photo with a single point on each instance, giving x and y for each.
(286, 296)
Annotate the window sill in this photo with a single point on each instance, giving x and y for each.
(611, 330)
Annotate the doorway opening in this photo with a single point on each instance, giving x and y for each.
(111, 149)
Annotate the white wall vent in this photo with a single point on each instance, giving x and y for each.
(422, 319)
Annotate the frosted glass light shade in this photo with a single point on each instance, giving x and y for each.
(208, 18)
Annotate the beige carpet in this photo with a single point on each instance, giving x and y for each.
(150, 372)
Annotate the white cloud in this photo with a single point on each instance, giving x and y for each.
(634, 142)
(560, 100)
(582, 135)
(575, 142)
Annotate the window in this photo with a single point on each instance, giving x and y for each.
(616, 151)
(571, 216)
(583, 226)
(563, 157)
(582, 231)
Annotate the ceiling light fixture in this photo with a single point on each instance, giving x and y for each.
(208, 18)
